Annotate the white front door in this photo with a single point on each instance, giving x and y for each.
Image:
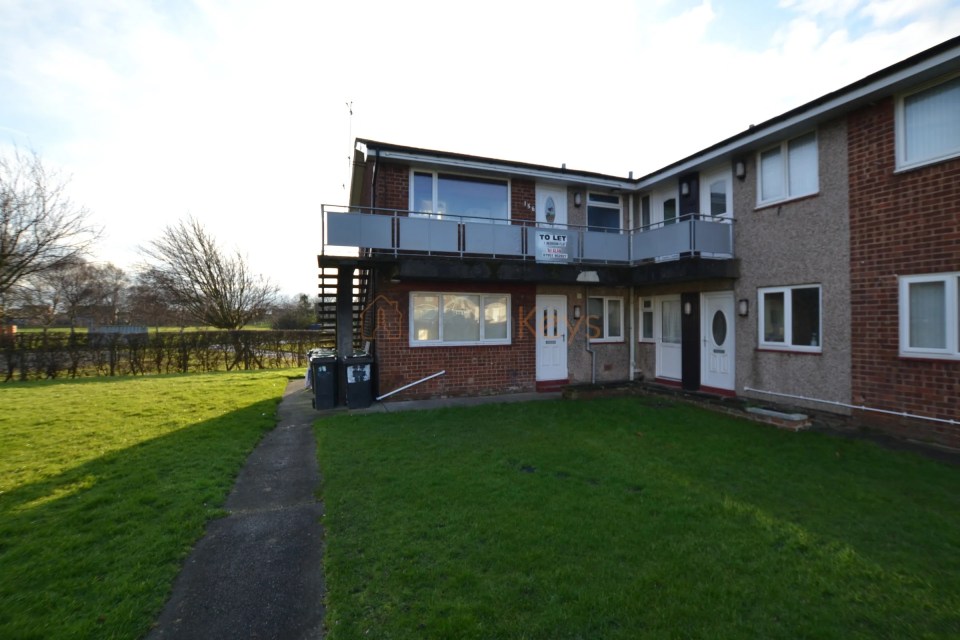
(551, 326)
(551, 206)
(718, 341)
(666, 332)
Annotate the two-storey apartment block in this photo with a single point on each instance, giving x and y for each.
(812, 259)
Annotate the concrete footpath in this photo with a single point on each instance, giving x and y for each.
(258, 573)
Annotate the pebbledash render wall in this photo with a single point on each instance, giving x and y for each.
(797, 242)
(901, 224)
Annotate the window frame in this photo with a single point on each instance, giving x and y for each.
(951, 349)
(646, 312)
(900, 124)
(787, 343)
(482, 341)
(605, 337)
(784, 149)
(435, 184)
(604, 205)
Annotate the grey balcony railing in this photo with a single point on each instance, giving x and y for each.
(390, 232)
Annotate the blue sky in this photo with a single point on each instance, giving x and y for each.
(235, 111)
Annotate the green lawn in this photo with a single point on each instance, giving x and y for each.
(630, 518)
(105, 484)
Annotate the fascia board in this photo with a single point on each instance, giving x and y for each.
(471, 165)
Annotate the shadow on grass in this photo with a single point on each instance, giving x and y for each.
(93, 551)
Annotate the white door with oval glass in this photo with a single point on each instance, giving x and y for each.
(551, 206)
(718, 341)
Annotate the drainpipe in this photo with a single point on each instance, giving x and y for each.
(593, 354)
(633, 335)
(373, 186)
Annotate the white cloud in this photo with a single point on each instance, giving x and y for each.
(235, 111)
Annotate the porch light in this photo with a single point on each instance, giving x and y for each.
(687, 308)
(577, 199)
(684, 188)
(740, 169)
(743, 307)
(576, 312)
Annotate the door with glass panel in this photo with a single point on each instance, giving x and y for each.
(718, 341)
(716, 195)
(666, 330)
(551, 328)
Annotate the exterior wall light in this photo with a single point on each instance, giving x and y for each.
(687, 308)
(576, 312)
(577, 199)
(743, 307)
(684, 188)
(740, 169)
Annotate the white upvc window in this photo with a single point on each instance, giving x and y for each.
(928, 124)
(451, 319)
(646, 320)
(788, 170)
(445, 194)
(603, 212)
(790, 318)
(929, 312)
(605, 319)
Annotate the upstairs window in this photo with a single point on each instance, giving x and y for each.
(603, 212)
(928, 125)
(788, 170)
(790, 318)
(452, 195)
(929, 310)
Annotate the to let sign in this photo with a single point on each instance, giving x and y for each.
(552, 247)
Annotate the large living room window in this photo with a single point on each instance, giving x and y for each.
(459, 319)
(446, 194)
(788, 170)
(790, 318)
(928, 124)
(929, 310)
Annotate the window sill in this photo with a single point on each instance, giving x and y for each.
(930, 357)
(790, 350)
(421, 345)
(906, 168)
(776, 203)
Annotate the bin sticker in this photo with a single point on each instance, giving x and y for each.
(358, 373)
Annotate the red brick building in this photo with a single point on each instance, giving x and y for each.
(813, 260)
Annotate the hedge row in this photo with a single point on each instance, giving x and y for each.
(31, 356)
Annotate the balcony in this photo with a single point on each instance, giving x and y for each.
(391, 234)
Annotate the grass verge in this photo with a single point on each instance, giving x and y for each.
(628, 518)
(105, 484)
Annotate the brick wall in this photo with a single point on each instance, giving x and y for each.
(470, 370)
(393, 186)
(523, 199)
(901, 224)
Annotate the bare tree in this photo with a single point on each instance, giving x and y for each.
(40, 227)
(214, 288)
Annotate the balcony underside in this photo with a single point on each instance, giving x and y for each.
(443, 269)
